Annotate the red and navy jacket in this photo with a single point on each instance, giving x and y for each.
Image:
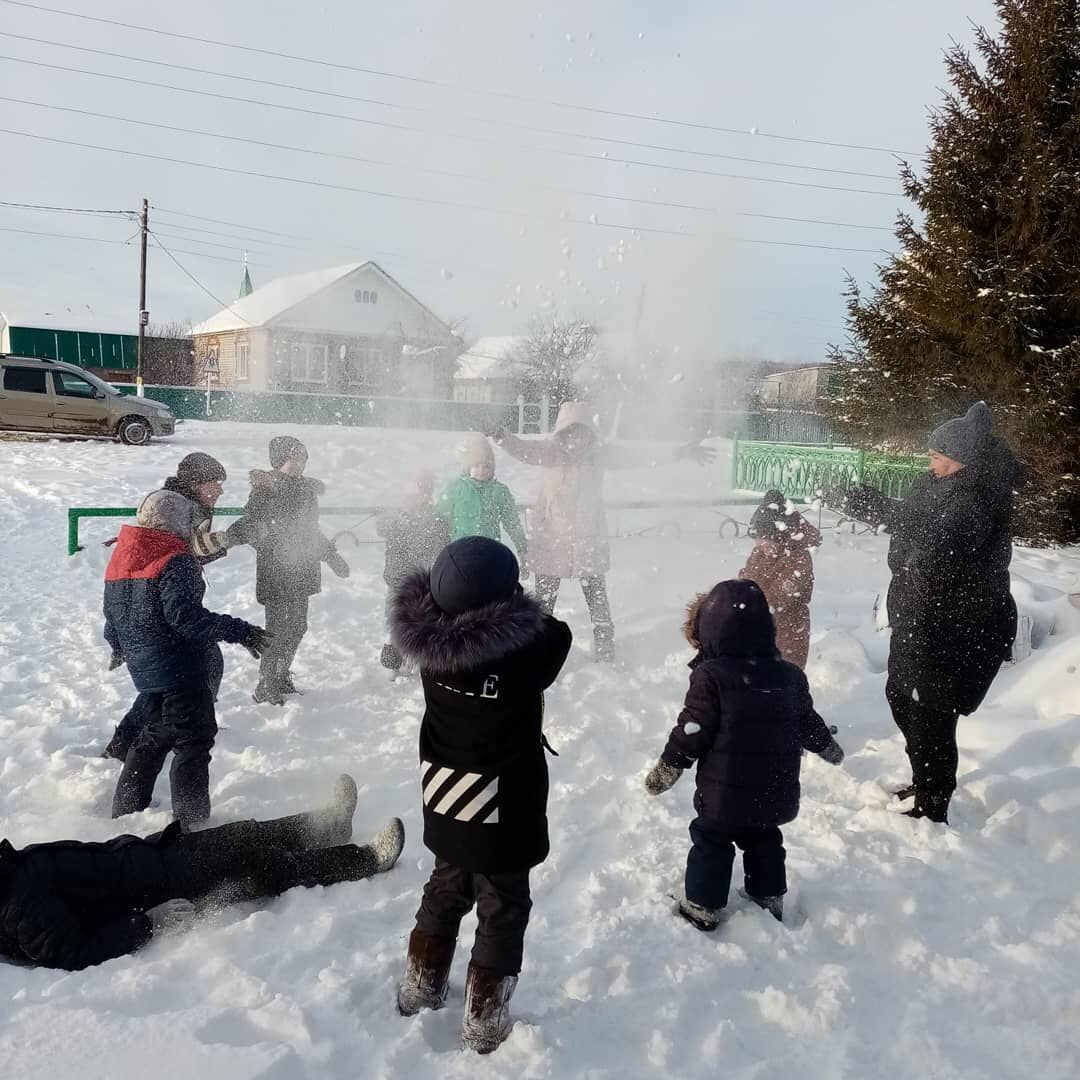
(154, 617)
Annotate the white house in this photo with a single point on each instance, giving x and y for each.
(346, 330)
(486, 372)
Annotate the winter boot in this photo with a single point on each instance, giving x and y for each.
(331, 826)
(774, 905)
(390, 658)
(931, 806)
(604, 643)
(427, 974)
(267, 694)
(288, 687)
(388, 844)
(703, 918)
(117, 747)
(487, 1009)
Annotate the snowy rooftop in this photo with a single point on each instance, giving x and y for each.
(273, 299)
(489, 358)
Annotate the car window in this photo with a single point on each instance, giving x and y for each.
(24, 380)
(69, 385)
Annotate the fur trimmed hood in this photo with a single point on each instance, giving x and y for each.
(271, 479)
(693, 609)
(733, 619)
(449, 644)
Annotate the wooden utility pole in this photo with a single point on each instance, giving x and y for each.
(144, 315)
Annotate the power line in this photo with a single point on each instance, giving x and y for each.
(431, 131)
(219, 302)
(390, 164)
(337, 95)
(505, 95)
(69, 210)
(815, 221)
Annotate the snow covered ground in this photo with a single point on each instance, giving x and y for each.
(915, 950)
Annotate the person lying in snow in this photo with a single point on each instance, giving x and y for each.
(71, 905)
(288, 558)
(414, 535)
(156, 623)
(486, 653)
(781, 565)
(747, 717)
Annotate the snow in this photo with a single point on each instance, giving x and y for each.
(273, 298)
(489, 358)
(912, 949)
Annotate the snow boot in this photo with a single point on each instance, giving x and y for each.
(331, 826)
(487, 1009)
(704, 918)
(117, 747)
(390, 658)
(774, 905)
(931, 806)
(604, 643)
(388, 844)
(427, 974)
(267, 694)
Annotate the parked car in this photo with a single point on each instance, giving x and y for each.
(61, 399)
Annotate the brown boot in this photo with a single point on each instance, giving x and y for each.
(427, 974)
(487, 1009)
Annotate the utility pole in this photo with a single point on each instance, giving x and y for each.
(144, 315)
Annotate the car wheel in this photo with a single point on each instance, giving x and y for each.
(134, 431)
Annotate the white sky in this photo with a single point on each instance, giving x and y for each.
(844, 71)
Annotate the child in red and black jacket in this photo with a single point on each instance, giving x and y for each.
(155, 623)
(486, 653)
(747, 718)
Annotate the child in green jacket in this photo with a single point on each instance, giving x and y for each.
(476, 504)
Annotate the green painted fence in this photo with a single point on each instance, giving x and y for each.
(804, 472)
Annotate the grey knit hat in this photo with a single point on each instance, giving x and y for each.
(167, 511)
(965, 437)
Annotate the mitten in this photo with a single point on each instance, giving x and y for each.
(246, 532)
(172, 915)
(662, 777)
(257, 641)
(206, 544)
(337, 564)
(115, 661)
(833, 753)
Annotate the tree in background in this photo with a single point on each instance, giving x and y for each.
(169, 358)
(983, 299)
(551, 357)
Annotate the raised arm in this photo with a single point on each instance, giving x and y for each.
(527, 451)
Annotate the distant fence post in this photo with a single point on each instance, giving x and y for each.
(521, 414)
(735, 461)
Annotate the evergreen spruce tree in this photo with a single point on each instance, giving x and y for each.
(983, 299)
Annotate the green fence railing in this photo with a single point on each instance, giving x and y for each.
(803, 472)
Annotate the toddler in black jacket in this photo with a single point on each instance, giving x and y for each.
(747, 717)
(486, 653)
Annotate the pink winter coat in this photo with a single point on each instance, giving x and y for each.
(568, 536)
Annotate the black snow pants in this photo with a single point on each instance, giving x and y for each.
(287, 622)
(181, 722)
(250, 860)
(709, 864)
(930, 735)
(502, 904)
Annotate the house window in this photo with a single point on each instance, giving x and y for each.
(243, 360)
(366, 296)
(307, 363)
(366, 365)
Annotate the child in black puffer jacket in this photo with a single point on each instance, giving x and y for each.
(747, 717)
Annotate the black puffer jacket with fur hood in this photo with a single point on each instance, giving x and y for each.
(483, 772)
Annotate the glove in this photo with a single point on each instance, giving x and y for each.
(661, 778)
(248, 532)
(695, 452)
(115, 661)
(833, 753)
(172, 915)
(337, 564)
(206, 544)
(257, 641)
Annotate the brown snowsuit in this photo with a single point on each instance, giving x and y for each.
(783, 569)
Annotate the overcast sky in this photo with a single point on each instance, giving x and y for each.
(526, 227)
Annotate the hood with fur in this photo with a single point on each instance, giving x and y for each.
(733, 619)
(448, 644)
(271, 479)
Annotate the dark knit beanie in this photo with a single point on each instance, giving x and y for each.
(200, 469)
(965, 437)
(284, 448)
(473, 572)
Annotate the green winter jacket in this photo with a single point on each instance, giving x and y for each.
(482, 508)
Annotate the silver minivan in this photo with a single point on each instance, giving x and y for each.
(54, 398)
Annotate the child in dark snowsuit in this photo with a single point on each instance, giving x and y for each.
(414, 536)
(748, 716)
(70, 905)
(486, 652)
(155, 621)
(288, 555)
